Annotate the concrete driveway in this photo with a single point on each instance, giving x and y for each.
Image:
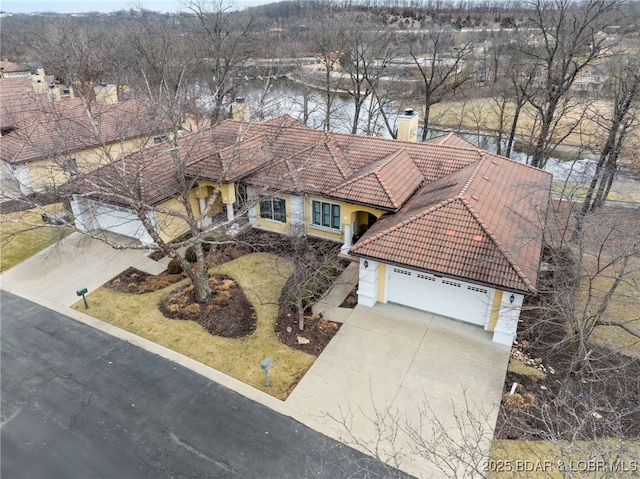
(76, 262)
(390, 364)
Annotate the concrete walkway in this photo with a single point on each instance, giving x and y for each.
(329, 304)
(390, 365)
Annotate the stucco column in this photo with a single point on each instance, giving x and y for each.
(230, 214)
(344, 249)
(206, 221)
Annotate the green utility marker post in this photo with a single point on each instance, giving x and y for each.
(82, 292)
(264, 365)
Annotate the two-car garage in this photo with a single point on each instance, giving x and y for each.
(456, 299)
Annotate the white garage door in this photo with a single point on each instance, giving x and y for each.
(455, 299)
(119, 220)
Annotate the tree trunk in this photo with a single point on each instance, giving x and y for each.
(425, 120)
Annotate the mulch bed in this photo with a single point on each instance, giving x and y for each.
(351, 301)
(134, 281)
(317, 330)
(226, 313)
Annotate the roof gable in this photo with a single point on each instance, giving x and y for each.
(387, 183)
(482, 223)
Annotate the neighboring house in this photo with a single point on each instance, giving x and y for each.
(591, 78)
(440, 226)
(329, 62)
(40, 83)
(45, 143)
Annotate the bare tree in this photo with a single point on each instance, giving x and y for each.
(325, 41)
(439, 61)
(367, 52)
(222, 45)
(570, 36)
(623, 90)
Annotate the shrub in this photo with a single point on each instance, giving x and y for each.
(174, 267)
(190, 255)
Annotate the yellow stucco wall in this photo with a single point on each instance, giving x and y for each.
(349, 213)
(228, 193)
(205, 190)
(495, 310)
(382, 277)
(171, 227)
(51, 172)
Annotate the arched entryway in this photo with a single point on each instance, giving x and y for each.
(360, 223)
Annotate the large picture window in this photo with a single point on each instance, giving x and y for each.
(325, 214)
(273, 209)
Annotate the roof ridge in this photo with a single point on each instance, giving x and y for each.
(376, 171)
(330, 143)
(497, 243)
(473, 174)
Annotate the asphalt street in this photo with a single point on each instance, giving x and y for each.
(78, 403)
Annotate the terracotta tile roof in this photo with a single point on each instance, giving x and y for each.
(387, 183)
(222, 153)
(147, 177)
(483, 223)
(204, 161)
(64, 127)
(451, 139)
(433, 161)
(12, 67)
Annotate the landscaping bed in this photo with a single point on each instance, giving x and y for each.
(315, 336)
(134, 281)
(226, 313)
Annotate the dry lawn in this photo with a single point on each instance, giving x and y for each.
(547, 460)
(624, 307)
(482, 115)
(23, 234)
(261, 277)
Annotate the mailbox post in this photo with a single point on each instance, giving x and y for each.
(264, 365)
(82, 292)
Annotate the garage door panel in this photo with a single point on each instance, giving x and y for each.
(118, 220)
(445, 296)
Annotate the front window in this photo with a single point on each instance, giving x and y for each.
(273, 209)
(325, 214)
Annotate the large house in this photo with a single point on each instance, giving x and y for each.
(441, 226)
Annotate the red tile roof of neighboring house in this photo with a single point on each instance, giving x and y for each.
(145, 177)
(481, 223)
(13, 67)
(51, 129)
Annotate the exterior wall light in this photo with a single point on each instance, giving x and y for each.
(366, 263)
(512, 298)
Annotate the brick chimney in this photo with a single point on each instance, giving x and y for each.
(408, 125)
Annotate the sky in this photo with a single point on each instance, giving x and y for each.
(77, 6)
